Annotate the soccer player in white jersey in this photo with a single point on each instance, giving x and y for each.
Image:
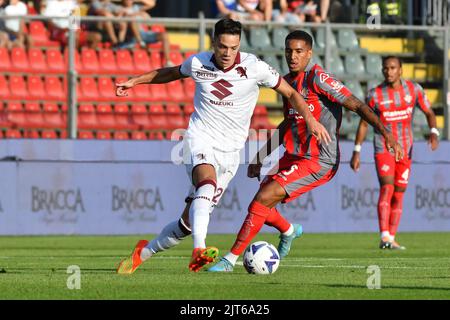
(226, 91)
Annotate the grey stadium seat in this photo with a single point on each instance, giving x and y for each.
(354, 64)
(336, 65)
(355, 87)
(244, 42)
(278, 36)
(272, 61)
(320, 39)
(259, 38)
(373, 64)
(347, 39)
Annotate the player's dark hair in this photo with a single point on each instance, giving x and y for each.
(227, 26)
(392, 57)
(300, 35)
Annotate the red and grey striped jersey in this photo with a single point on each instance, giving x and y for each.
(395, 107)
(324, 95)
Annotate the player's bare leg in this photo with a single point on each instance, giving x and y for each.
(396, 213)
(384, 209)
(204, 178)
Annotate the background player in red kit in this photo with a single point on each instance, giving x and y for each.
(306, 163)
(394, 101)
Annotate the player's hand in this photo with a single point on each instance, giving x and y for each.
(254, 170)
(394, 147)
(355, 161)
(122, 88)
(433, 141)
(319, 131)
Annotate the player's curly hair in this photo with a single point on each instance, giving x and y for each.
(227, 26)
(300, 35)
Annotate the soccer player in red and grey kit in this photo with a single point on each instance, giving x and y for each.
(394, 101)
(306, 163)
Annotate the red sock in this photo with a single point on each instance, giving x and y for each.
(384, 206)
(276, 220)
(396, 212)
(257, 214)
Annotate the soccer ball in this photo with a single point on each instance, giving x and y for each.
(261, 257)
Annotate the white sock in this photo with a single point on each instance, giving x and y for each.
(385, 234)
(169, 237)
(231, 257)
(289, 231)
(199, 214)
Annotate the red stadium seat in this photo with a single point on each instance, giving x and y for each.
(176, 91)
(103, 135)
(175, 119)
(187, 54)
(89, 61)
(18, 87)
(85, 134)
(105, 116)
(19, 60)
(4, 88)
(158, 28)
(87, 119)
(52, 117)
(260, 119)
(158, 117)
(123, 117)
(40, 35)
(106, 89)
(142, 92)
(189, 88)
(13, 134)
(36, 88)
(107, 61)
(37, 60)
(31, 134)
(187, 110)
(33, 115)
(141, 61)
(54, 89)
(124, 62)
(15, 114)
(158, 135)
(55, 61)
(138, 135)
(88, 89)
(139, 114)
(5, 61)
(159, 92)
(175, 57)
(49, 134)
(155, 58)
(120, 135)
(3, 117)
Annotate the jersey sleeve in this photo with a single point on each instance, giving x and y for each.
(266, 75)
(329, 86)
(186, 67)
(370, 99)
(421, 98)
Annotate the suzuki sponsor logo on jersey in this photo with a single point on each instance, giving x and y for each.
(362, 202)
(221, 103)
(299, 209)
(434, 203)
(324, 77)
(228, 204)
(222, 92)
(242, 71)
(205, 75)
(137, 204)
(58, 205)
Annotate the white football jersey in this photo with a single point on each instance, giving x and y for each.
(225, 99)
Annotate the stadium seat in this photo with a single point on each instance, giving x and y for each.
(5, 61)
(89, 61)
(354, 65)
(87, 118)
(40, 35)
(158, 135)
(4, 88)
(105, 116)
(373, 83)
(49, 134)
(355, 87)
(158, 28)
(123, 118)
(155, 59)
(138, 135)
(107, 61)
(142, 92)
(15, 114)
(260, 118)
(19, 60)
(316, 60)
(88, 90)
(272, 61)
(176, 91)
(141, 61)
(189, 88)
(4, 123)
(36, 88)
(77, 60)
(37, 60)
(120, 135)
(85, 134)
(278, 36)
(158, 117)
(13, 134)
(420, 125)
(106, 89)
(31, 134)
(175, 119)
(336, 65)
(140, 117)
(175, 57)
(55, 61)
(52, 117)
(17, 87)
(54, 89)
(373, 64)
(124, 62)
(159, 92)
(187, 54)
(33, 115)
(103, 135)
(259, 38)
(320, 39)
(347, 39)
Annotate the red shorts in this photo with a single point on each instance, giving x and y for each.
(62, 36)
(386, 166)
(298, 176)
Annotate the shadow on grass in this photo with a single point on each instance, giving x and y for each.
(387, 287)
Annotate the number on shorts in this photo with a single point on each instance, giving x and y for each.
(405, 175)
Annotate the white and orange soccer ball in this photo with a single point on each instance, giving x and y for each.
(261, 257)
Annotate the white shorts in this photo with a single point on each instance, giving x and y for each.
(224, 163)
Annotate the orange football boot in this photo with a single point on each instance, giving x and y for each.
(201, 257)
(130, 264)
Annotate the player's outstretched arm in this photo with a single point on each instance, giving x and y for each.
(366, 113)
(360, 136)
(162, 75)
(300, 105)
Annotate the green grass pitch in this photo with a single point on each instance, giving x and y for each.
(320, 266)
